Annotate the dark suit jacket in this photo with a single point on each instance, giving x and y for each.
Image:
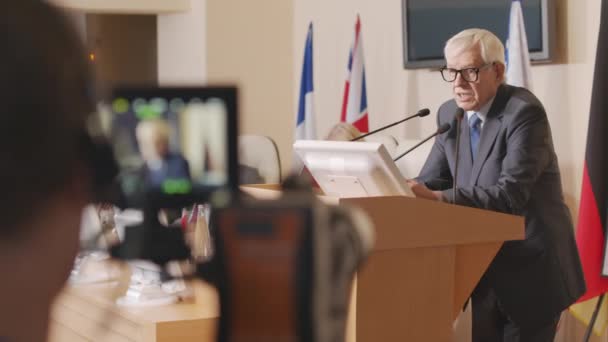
(174, 166)
(515, 172)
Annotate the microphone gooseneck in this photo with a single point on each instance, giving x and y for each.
(458, 117)
(421, 113)
(442, 129)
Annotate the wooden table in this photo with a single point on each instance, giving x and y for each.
(87, 313)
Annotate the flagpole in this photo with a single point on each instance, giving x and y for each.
(593, 318)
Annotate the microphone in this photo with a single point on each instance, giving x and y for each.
(458, 117)
(442, 129)
(421, 113)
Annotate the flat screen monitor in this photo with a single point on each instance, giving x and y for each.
(174, 144)
(428, 24)
(352, 169)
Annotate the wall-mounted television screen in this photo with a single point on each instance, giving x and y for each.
(428, 24)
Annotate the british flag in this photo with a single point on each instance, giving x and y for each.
(354, 105)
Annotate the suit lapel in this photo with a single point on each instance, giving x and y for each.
(489, 132)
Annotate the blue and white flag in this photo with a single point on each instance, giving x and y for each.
(305, 119)
(518, 57)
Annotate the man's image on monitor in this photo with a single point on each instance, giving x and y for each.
(168, 142)
(160, 163)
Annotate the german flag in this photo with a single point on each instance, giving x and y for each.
(591, 228)
(593, 211)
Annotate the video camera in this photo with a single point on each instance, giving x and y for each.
(282, 267)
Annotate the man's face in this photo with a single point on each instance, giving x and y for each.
(473, 95)
(153, 148)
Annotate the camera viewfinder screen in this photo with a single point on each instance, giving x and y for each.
(170, 142)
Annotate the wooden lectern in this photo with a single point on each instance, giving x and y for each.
(426, 261)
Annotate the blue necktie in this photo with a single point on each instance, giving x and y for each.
(475, 125)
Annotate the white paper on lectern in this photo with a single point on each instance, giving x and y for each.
(352, 169)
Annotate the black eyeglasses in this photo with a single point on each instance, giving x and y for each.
(467, 74)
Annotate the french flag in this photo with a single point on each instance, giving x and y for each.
(305, 123)
(354, 104)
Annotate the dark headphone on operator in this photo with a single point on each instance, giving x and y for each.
(99, 157)
(97, 153)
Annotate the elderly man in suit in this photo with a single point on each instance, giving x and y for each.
(506, 163)
(161, 164)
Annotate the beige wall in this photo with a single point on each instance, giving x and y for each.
(251, 43)
(181, 39)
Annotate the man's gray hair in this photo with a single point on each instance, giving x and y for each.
(491, 48)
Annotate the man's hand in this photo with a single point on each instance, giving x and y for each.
(421, 191)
